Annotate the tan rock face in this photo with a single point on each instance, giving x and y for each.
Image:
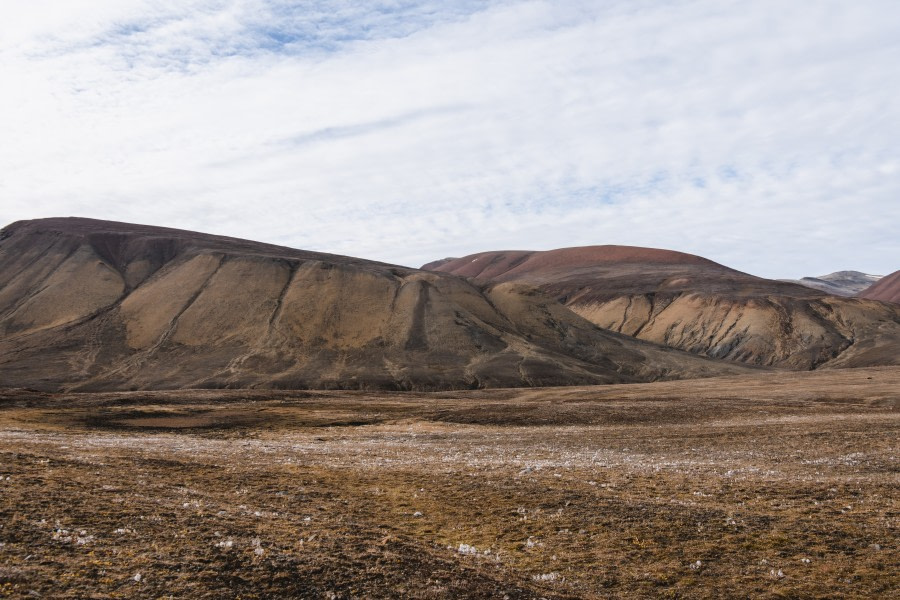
(149, 312)
(694, 304)
(98, 305)
(80, 285)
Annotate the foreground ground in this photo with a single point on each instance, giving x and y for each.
(776, 485)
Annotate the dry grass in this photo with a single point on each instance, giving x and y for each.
(780, 486)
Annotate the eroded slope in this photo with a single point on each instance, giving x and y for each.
(98, 305)
(695, 304)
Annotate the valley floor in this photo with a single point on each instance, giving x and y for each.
(773, 485)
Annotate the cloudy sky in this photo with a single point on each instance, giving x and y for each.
(761, 134)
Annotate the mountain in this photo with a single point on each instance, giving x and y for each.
(840, 283)
(694, 304)
(89, 305)
(886, 289)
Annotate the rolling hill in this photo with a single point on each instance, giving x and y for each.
(89, 305)
(694, 304)
(886, 289)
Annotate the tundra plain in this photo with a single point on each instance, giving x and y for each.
(772, 485)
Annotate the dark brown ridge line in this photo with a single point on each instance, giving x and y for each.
(293, 267)
(104, 311)
(838, 326)
(485, 292)
(168, 332)
(41, 284)
(625, 314)
(721, 338)
(138, 359)
(418, 335)
(651, 298)
(651, 318)
(40, 255)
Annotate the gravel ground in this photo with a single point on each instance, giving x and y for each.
(776, 485)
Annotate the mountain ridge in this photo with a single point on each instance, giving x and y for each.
(697, 305)
(89, 305)
(839, 283)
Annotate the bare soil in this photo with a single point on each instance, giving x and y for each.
(777, 485)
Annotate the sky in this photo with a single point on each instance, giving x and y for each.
(762, 134)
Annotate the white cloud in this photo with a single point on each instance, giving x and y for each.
(761, 135)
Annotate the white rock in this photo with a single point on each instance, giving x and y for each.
(467, 549)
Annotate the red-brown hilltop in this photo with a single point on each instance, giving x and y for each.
(578, 272)
(507, 265)
(695, 304)
(887, 289)
(90, 305)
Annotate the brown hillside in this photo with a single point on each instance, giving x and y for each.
(887, 289)
(90, 304)
(694, 304)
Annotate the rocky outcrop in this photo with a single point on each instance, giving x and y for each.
(93, 305)
(770, 330)
(694, 304)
